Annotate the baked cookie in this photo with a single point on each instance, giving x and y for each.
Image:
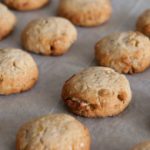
(85, 12)
(49, 36)
(126, 52)
(142, 146)
(7, 21)
(18, 71)
(25, 5)
(143, 23)
(97, 92)
(53, 132)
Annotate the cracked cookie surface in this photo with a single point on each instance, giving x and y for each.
(126, 52)
(142, 146)
(143, 23)
(18, 71)
(49, 36)
(7, 21)
(53, 132)
(97, 92)
(85, 12)
(25, 5)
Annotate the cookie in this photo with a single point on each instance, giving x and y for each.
(49, 36)
(97, 92)
(143, 23)
(18, 71)
(8, 21)
(25, 5)
(85, 12)
(53, 132)
(126, 52)
(142, 146)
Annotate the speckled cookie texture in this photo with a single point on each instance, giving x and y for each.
(49, 36)
(126, 52)
(18, 71)
(53, 132)
(7, 21)
(85, 12)
(143, 23)
(97, 92)
(25, 5)
(142, 146)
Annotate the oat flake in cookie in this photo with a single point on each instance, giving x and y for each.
(49, 36)
(85, 12)
(25, 5)
(126, 52)
(7, 21)
(18, 71)
(97, 92)
(53, 132)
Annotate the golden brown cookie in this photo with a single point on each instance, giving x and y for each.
(53, 132)
(143, 23)
(18, 71)
(25, 5)
(7, 21)
(126, 52)
(85, 12)
(97, 92)
(142, 146)
(49, 36)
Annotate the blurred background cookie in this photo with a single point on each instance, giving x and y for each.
(25, 4)
(18, 71)
(97, 92)
(126, 52)
(49, 36)
(7, 21)
(85, 12)
(142, 146)
(53, 132)
(143, 23)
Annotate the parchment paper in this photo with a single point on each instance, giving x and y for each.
(117, 133)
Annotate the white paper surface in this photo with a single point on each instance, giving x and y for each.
(118, 133)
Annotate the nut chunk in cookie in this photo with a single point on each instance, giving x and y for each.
(126, 52)
(18, 71)
(49, 36)
(97, 92)
(53, 132)
(7, 21)
(85, 12)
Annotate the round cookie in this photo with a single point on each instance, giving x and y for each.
(143, 23)
(49, 36)
(142, 146)
(18, 71)
(97, 92)
(85, 12)
(8, 21)
(126, 52)
(53, 132)
(25, 5)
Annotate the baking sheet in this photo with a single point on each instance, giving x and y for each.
(117, 133)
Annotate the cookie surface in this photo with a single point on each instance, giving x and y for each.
(49, 36)
(8, 21)
(97, 92)
(18, 71)
(142, 146)
(25, 4)
(143, 23)
(126, 52)
(85, 12)
(53, 132)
